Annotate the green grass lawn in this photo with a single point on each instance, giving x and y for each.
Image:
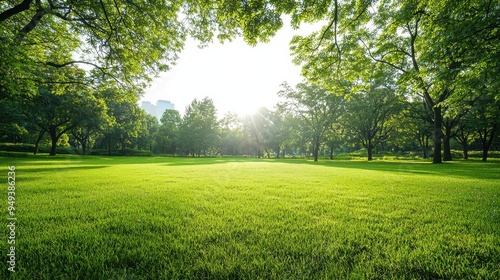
(182, 218)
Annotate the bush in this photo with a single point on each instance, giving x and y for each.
(30, 148)
(17, 147)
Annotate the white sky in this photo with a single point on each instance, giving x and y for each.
(237, 77)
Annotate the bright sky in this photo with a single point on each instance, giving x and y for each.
(237, 77)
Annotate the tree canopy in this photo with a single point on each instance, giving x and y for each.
(431, 44)
(127, 42)
(438, 55)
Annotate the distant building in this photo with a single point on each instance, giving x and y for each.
(149, 108)
(162, 106)
(157, 111)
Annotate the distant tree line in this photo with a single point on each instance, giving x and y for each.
(309, 121)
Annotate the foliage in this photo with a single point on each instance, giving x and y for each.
(230, 134)
(317, 108)
(432, 44)
(128, 119)
(199, 127)
(127, 42)
(57, 109)
(372, 114)
(444, 52)
(167, 137)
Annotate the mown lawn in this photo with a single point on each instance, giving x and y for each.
(183, 218)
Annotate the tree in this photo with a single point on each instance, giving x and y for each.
(419, 121)
(316, 107)
(57, 108)
(334, 136)
(127, 121)
(487, 121)
(230, 134)
(465, 133)
(14, 126)
(369, 113)
(280, 129)
(254, 127)
(23, 58)
(147, 133)
(93, 120)
(167, 136)
(53, 114)
(199, 127)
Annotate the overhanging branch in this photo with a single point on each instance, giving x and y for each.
(19, 8)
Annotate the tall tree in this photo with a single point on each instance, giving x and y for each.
(93, 120)
(127, 121)
(316, 107)
(57, 108)
(369, 114)
(147, 133)
(230, 135)
(199, 127)
(487, 121)
(167, 136)
(465, 133)
(280, 129)
(419, 122)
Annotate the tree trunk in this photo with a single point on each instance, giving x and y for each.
(109, 146)
(485, 152)
(84, 146)
(316, 149)
(19, 8)
(53, 138)
(446, 145)
(369, 149)
(331, 150)
(40, 135)
(426, 148)
(278, 150)
(424, 143)
(487, 142)
(436, 158)
(466, 150)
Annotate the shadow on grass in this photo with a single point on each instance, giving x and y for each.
(459, 168)
(471, 169)
(59, 169)
(183, 161)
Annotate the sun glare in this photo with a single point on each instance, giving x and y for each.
(242, 106)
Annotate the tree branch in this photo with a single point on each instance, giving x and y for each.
(61, 65)
(40, 12)
(19, 8)
(381, 60)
